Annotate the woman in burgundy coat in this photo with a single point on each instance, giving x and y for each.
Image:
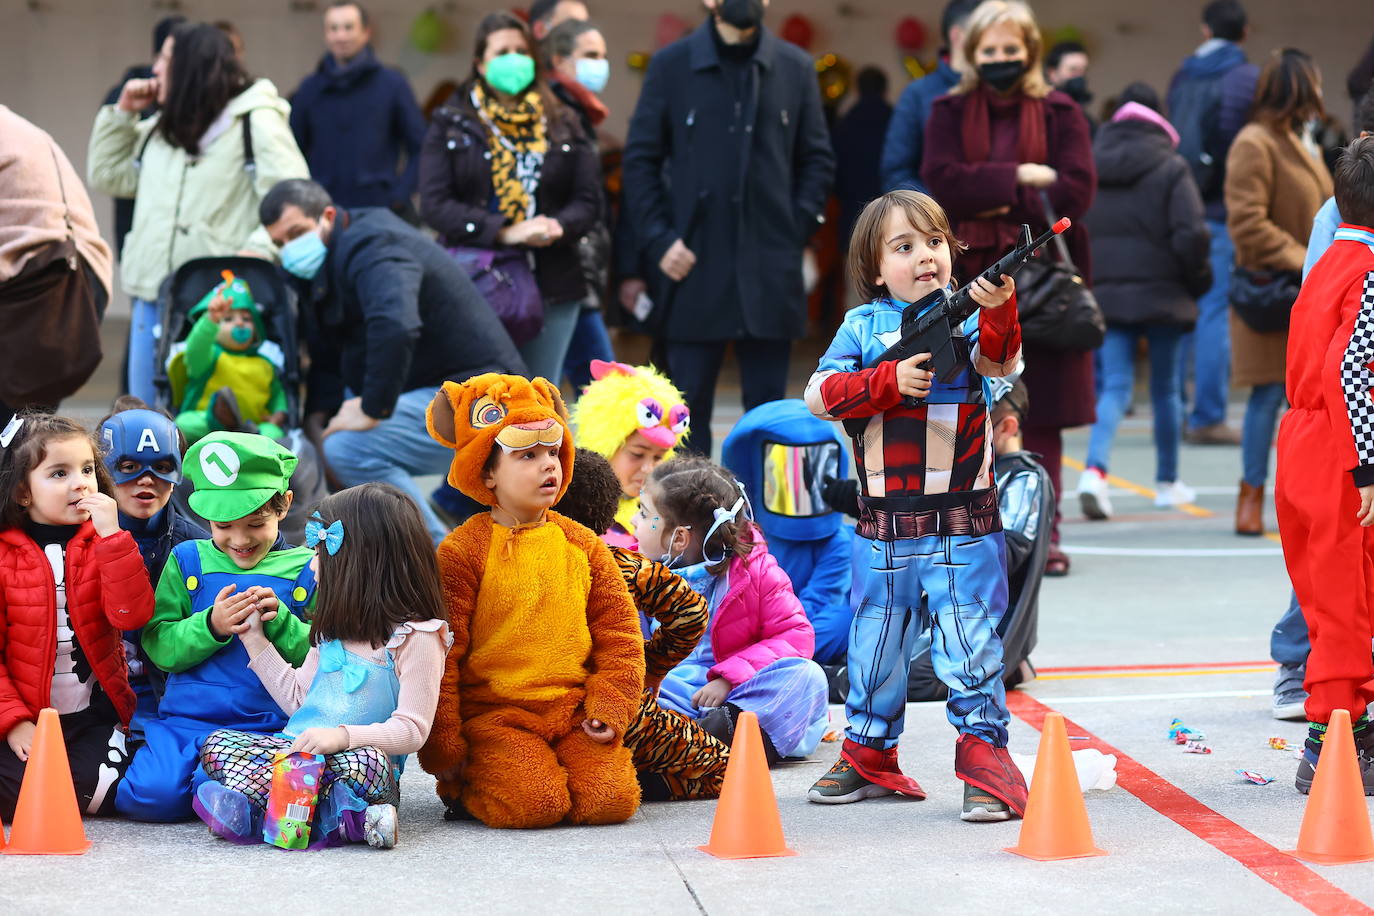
(992, 145)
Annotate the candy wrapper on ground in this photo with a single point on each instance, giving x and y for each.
(1196, 747)
(291, 801)
(1254, 777)
(1182, 734)
(1279, 744)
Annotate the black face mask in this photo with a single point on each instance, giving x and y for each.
(1003, 74)
(742, 14)
(1077, 89)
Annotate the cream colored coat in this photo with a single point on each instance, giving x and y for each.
(193, 207)
(1274, 187)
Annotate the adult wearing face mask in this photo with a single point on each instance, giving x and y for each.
(388, 318)
(728, 165)
(188, 168)
(993, 145)
(505, 165)
(1066, 69)
(575, 60)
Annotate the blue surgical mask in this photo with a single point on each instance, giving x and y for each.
(303, 255)
(241, 334)
(593, 72)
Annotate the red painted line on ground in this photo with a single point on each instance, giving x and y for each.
(1181, 667)
(1285, 873)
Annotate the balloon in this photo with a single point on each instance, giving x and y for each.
(798, 30)
(833, 73)
(637, 60)
(913, 67)
(670, 28)
(911, 34)
(427, 32)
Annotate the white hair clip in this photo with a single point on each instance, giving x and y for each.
(10, 431)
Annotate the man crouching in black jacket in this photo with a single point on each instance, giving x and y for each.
(388, 317)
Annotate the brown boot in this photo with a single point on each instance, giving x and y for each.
(1250, 510)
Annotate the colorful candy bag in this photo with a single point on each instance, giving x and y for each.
(291, 800)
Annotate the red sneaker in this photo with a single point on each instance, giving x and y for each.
(991, 769)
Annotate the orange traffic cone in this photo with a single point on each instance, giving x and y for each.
(747, 825)
(1056, 823)
(1335, 826)
(47, 821)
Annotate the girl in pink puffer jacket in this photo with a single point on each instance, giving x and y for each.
(756, 654)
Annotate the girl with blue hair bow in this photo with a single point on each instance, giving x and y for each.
(364, 698)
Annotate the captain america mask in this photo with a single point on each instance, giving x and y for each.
(139, 442)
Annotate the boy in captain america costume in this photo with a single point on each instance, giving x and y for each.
(928, 501)
(207, 589)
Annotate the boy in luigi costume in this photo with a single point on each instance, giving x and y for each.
(208, 590)
(221, 380)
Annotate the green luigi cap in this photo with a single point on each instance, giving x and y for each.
(235, 474)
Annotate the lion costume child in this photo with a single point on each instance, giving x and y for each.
(545, 634)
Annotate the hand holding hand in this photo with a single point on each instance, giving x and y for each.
(1366, 513)
(350, 418)
(677, 262)
(712, 695)
(990, 296)
(912, 380)
(20, 739)
(1036, 175)
(230, 610)
(136, 95)
(321, 741)
(104, 513)
(598, 731)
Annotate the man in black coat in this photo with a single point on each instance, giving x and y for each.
(726, 172)
(356, 121)
(388, 318)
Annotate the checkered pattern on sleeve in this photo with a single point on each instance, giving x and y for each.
(1356, 378)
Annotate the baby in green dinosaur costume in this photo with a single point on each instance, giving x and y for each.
(224, 383)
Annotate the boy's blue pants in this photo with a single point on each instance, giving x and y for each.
(965, 583)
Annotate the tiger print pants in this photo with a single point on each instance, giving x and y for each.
(677, 750)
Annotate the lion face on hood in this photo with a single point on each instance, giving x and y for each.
(493, 411)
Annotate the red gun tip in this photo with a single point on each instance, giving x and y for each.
(1064, 223)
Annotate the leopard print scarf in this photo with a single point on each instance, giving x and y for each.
(518, 138)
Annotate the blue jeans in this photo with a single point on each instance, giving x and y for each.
(1257, 432)
(1118, 378)
(1290, 642)
(544, 354)
(1208, 347)
(965, 583)
(392, 451)
(589, 341)
(144, 330)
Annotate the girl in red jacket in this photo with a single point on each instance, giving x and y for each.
(756, 654)
(70, 582)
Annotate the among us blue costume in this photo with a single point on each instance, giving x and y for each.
(209, 684)
(143, 443)
(783, 456)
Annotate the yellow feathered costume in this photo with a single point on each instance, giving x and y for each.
(545, 636)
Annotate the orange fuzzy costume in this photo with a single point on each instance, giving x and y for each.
(545, 635)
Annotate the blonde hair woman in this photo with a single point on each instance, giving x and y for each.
(999, 139)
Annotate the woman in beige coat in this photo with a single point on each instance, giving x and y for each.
(1275, 184)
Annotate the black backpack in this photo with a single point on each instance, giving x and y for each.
(1194, 112)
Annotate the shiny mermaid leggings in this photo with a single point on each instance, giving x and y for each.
(242, 761)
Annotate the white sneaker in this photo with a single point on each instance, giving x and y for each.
(379, 826)
(1092, 495)
(1174, 493)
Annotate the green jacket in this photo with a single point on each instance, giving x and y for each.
(178, 640)
(181, 212)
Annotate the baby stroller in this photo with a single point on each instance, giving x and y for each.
(277, 301)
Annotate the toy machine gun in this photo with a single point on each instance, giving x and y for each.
(931, 324)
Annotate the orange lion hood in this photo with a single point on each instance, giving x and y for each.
(471, 417)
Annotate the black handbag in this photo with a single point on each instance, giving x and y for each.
(1055, 307)
(1263, 299)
